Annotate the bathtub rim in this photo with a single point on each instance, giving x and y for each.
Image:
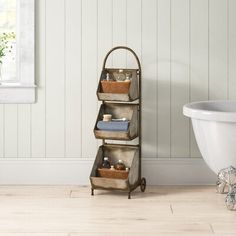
(210, 115)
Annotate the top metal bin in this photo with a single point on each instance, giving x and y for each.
(119, 91)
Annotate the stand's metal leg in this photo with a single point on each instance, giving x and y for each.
(129, 195)
(227, 177)
(92, 191)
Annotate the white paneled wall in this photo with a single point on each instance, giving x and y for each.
(231, 49)
(198, 58)
(180, 75)
(188, 52)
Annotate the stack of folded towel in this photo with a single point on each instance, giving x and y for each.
(113, 125)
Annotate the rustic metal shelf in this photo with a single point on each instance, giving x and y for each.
(120, 105)
(118, 111)
(131, 95)
(130, 156)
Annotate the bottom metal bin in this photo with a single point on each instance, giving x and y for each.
(129, 155)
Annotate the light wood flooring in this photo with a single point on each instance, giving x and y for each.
(71, 211)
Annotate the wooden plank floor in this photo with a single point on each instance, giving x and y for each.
(71, 211)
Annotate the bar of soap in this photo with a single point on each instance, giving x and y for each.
(113, 125)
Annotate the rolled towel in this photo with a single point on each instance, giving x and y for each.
(113, 125)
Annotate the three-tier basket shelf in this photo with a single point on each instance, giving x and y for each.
(120, 100)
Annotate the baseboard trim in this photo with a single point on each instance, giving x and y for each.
(181, 171)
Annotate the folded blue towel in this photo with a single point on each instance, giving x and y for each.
(113, 125)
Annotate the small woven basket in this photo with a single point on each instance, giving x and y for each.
(113, 174)
(115, 87)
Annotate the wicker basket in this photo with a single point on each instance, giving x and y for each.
(114, 174)
(121, 87)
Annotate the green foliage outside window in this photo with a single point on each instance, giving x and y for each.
(6, 40)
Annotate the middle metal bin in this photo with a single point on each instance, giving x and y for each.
(118, 111)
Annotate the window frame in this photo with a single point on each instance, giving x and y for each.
(23, 90)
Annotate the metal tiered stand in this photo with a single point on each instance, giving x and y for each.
(129, 105)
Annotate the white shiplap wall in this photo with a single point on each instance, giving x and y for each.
(188, 52)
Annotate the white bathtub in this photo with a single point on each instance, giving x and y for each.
(214, 125)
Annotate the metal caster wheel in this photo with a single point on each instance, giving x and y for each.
(230, 201)
(143, 185)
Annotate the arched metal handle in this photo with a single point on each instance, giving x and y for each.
(125, 48)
